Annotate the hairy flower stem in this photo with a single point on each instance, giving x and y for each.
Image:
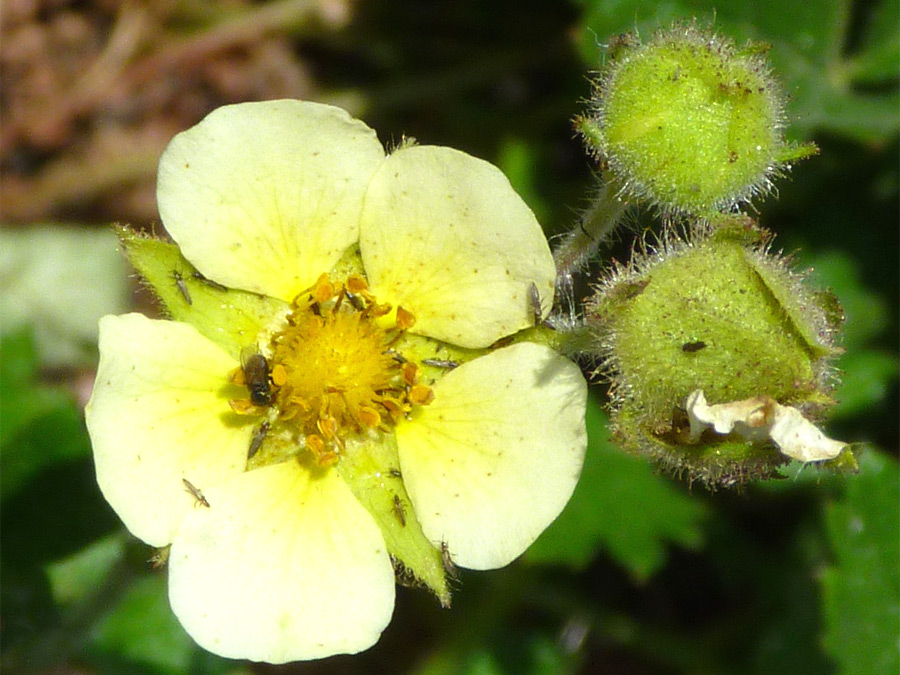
(576, 249)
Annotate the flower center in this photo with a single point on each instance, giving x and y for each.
(334, 372)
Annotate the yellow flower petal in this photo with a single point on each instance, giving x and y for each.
(282, 566)
(266, 196)
(158, 415)
(495, 457)
(444, 235)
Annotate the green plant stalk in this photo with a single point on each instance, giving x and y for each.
(597, 222)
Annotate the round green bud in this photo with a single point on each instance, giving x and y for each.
(688, 122)
(719, 314)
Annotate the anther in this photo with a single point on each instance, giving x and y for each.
(405, 319)
(369, 417)
(410, 373)
(420, 394)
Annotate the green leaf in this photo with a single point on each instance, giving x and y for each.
(77, 576)
(41, 424)
(22, 398)
(785, 635)
(141, 629)
(865, 382)
(866, 374)
(862, 588)
(622, 506)
(866, 313)
(878, 60)
(518, 160)
(60, 281)
(508, 654)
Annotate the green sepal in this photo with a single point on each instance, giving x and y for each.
(419, 348)
(349, 263)
(371, 468)
(808, 313)
(568, 342)
(231, 318)
(794, 152)
(592, 135)
(847, 462)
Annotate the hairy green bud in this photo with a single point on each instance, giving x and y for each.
(688, 122)
(717, 354)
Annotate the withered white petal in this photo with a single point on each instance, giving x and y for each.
(762, 418)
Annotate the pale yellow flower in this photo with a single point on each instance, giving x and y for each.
(284, 556)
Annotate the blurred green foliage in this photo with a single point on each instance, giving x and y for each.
(41, 424)
(641, 574)
(859, 587)
(622, 507)
(57, 281)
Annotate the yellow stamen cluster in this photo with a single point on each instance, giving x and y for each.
(334, 372)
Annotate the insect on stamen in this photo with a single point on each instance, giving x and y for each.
(355, 301)
(397, 356)
(256, 376)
